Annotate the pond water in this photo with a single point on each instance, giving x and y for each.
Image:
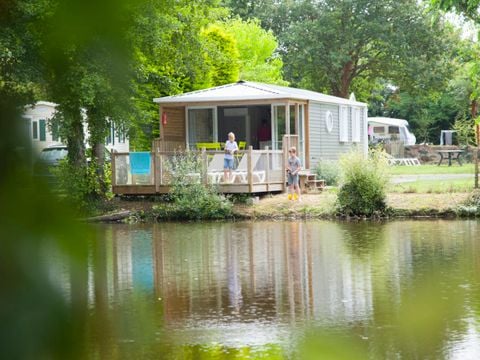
(285, 290)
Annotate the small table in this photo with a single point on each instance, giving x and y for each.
(450, 153)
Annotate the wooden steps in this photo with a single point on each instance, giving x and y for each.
(309, 182)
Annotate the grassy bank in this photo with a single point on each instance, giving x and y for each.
(318, 205)
(323, 206)
(435, 196)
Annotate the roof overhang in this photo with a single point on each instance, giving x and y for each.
(245, 91)
(229, 99)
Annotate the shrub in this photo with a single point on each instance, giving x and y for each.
(363, 184)
(80, 185)
(191, 199)
(329, 171)
(471, 207)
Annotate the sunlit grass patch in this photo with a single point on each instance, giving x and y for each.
(433, 186)
(432, 169)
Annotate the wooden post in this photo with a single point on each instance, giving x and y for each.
(155, 170)
(250, 169)
(306, 140)
(161, 168)
(284, 162)
(152, 171)
(267, 170)
(162, 127)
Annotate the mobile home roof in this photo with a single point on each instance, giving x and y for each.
(247, 90)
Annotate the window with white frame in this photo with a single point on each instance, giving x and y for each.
(343, 124)
(201, 125)
(356, 125)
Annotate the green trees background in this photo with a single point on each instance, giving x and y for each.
(106, 61)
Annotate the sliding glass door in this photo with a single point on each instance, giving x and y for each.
(201, 125)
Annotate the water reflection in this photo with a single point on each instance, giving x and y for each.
(408, 289)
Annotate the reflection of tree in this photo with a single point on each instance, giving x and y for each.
(362, 240)
(233, 274)
(410, 290)
(421, 306)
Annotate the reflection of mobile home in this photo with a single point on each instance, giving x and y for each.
(381, 128)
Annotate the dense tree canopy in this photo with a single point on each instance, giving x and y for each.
(469, 8)
(257, 47)
(108, 60)
(339, 42)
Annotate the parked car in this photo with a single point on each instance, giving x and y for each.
(386, 129)
(52, 156)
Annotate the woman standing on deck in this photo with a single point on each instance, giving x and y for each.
(230, 148)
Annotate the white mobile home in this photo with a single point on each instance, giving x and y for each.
(261, 114)
(36, 120)
(382, 128)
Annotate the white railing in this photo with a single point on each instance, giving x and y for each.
(251, 167)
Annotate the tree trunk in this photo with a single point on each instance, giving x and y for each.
(343, 88)
(75, 138)
(97, 126)
(99, 154)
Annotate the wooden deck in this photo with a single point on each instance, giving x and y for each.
(256, 171)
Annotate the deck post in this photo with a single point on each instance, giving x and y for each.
(152, 172)
(284, 166)
(161, 168)
(250, 169)
(155, 169)
(204, 166)
(267, 170)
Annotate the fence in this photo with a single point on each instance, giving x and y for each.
(254, 171)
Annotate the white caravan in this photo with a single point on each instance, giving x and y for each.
(382, 128)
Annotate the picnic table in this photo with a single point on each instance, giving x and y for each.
(450, 153)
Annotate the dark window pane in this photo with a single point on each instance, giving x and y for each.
(34, 130)
(43, 134)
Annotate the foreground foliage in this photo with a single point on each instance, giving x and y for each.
(191, 199)
(363, 184)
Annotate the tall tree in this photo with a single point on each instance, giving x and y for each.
(20, 70)
(469, 8)
(85, 49)
(168, 57)
(257, 51)
(336, 43)
(221, 56)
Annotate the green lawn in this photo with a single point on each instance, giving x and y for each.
(434, 186)
(432, 169)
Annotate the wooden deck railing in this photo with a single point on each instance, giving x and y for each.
(255, 171)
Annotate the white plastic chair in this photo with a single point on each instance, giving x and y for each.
(215, 168)
(242, 169)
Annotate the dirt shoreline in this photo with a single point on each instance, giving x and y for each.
(312, 206)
